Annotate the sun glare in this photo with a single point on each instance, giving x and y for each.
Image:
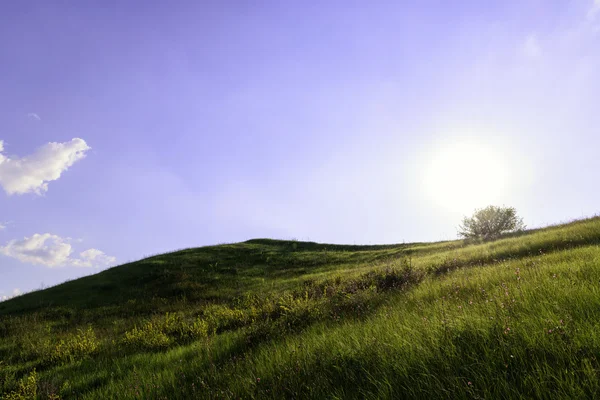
(466, 175)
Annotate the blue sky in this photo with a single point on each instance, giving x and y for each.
(130, 129)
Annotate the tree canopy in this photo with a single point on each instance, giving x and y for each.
(491, 222)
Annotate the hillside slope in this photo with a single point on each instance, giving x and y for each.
(515, 317)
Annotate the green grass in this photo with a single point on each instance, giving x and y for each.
(518, 317)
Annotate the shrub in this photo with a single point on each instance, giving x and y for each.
(40, 345)
(490, 222)
(221, 317)
(26, 390)
(149, 336)
(195, 329)
(76, 346)
(161, 332)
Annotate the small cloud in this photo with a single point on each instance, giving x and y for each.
(2, 226)
(48, 250)
(31, 174)
(34, 116)
(53, 251)
(94, 257)
(531, 47)
(15, 292)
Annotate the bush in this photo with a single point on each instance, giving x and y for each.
(27, 388)
(149, 336)
(75, 347)
(221, 317)
(161, 332)
(491, 222)
(51, 349)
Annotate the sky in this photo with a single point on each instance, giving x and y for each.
(129, 129)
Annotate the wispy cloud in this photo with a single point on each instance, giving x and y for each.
(53, 251)
(531, 47)
(2, 226)
(594, 11)
(31, 174)
(34, 116)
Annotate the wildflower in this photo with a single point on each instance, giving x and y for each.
(258, 380)
(469, 383)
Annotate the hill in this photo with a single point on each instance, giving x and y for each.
(511, 318)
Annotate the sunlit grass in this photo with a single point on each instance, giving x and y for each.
(516, 317)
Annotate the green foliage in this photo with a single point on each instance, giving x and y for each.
(75, 346)
(491, 222)
(149, 336)
(161, 332)
(511, 318)
(220, 317)
(39, 342)
(26, 388)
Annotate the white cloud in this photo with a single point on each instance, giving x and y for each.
(31, 174)
(15, 292)
(49, 250)
(531, 47)
(53, 251)
(2, 226)
(34, 116)
(94, 257)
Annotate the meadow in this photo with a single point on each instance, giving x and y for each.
(516, 317)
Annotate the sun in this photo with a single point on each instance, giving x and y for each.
(467, 174)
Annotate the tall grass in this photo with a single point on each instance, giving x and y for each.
(513, 318)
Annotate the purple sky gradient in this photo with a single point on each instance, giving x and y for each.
(215, 122)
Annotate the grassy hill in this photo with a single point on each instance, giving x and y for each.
(512, 318)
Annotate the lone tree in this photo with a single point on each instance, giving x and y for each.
(491, 222)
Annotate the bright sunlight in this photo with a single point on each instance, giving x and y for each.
(467, 174)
